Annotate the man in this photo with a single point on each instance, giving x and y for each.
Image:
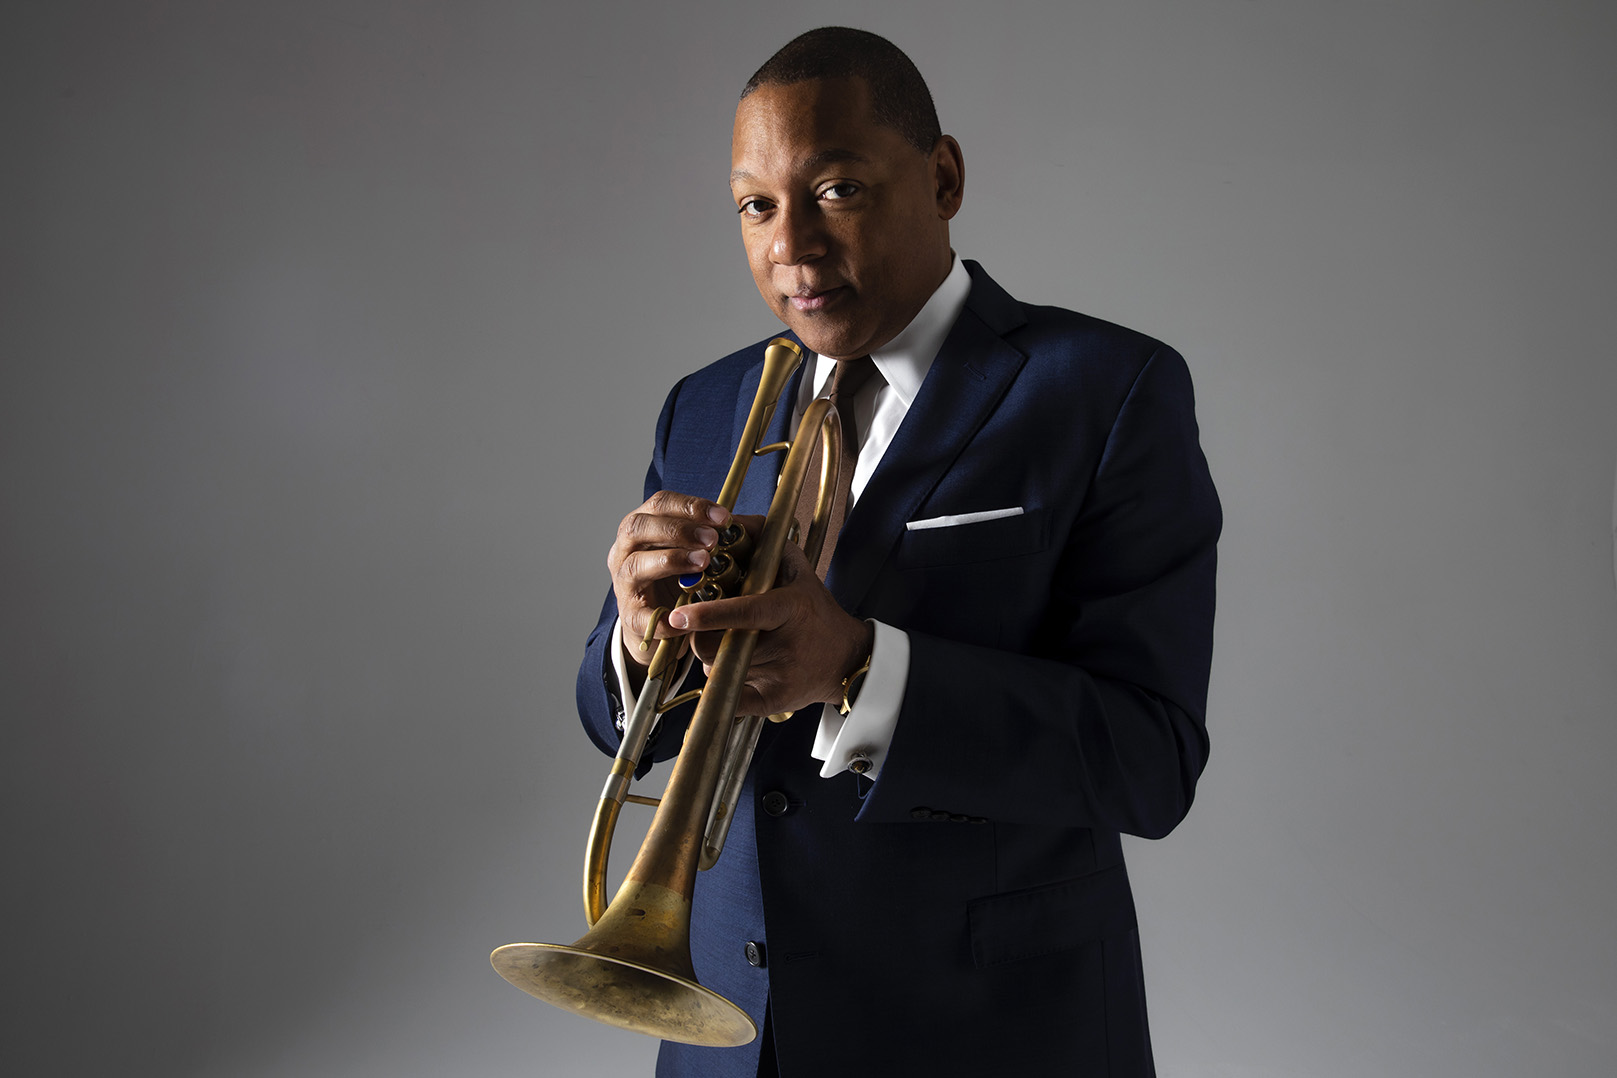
(1018, 609)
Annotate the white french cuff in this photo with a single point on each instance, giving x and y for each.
(962, 518)
(620, 667)
(866, 731)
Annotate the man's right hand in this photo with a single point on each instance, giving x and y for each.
(668, 536)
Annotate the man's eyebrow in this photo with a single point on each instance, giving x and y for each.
(812, 162)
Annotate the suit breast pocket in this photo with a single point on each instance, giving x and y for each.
(976, 541)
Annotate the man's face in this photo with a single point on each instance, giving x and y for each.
(845, 223)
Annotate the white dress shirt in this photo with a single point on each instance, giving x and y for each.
(879, 409)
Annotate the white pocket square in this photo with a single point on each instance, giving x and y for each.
(961, 518)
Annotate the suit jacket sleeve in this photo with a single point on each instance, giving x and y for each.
(599, 708)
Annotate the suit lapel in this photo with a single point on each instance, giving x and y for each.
(966, 382)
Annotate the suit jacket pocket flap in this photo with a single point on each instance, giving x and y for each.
(1056, 917)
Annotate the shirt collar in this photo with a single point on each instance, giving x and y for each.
(904, 360)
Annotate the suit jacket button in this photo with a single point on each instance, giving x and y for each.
(755, 954)
(775, 804)
(939, 814)
(920, 812)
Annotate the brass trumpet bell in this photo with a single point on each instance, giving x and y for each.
(632, 970)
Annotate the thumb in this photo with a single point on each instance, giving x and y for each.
(793, 564)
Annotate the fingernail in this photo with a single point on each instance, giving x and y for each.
(699, 558)
(719, 515)
(706, 536)
(678, 619)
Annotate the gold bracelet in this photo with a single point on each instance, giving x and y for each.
(851, 684)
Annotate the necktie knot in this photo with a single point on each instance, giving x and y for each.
(849, 377)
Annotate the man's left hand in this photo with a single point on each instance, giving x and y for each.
(807, 643)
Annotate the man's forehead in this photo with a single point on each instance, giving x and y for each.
(807, 125)
(812, 162)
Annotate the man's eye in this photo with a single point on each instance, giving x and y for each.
(753, 207)
(839, 190)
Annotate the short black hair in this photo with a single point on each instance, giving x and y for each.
(898, 94)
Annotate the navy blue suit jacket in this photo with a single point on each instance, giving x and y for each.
(969, 912)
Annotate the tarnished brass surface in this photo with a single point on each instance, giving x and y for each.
(597, 852)
(632, 969)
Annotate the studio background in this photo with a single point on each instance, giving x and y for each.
(331, 336)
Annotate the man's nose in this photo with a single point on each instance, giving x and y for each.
(799, 236)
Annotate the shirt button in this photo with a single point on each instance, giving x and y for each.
(775, 803)
(755, 954)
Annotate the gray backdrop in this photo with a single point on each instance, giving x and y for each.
(332, 333)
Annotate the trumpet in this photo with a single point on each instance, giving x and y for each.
(633, 968)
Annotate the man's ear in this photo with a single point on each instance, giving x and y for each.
(948, 176)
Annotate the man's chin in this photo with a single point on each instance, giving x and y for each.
(834, 341)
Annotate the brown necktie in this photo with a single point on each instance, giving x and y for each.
(846, 381)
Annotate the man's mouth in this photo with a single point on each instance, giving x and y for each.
(806, 299)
